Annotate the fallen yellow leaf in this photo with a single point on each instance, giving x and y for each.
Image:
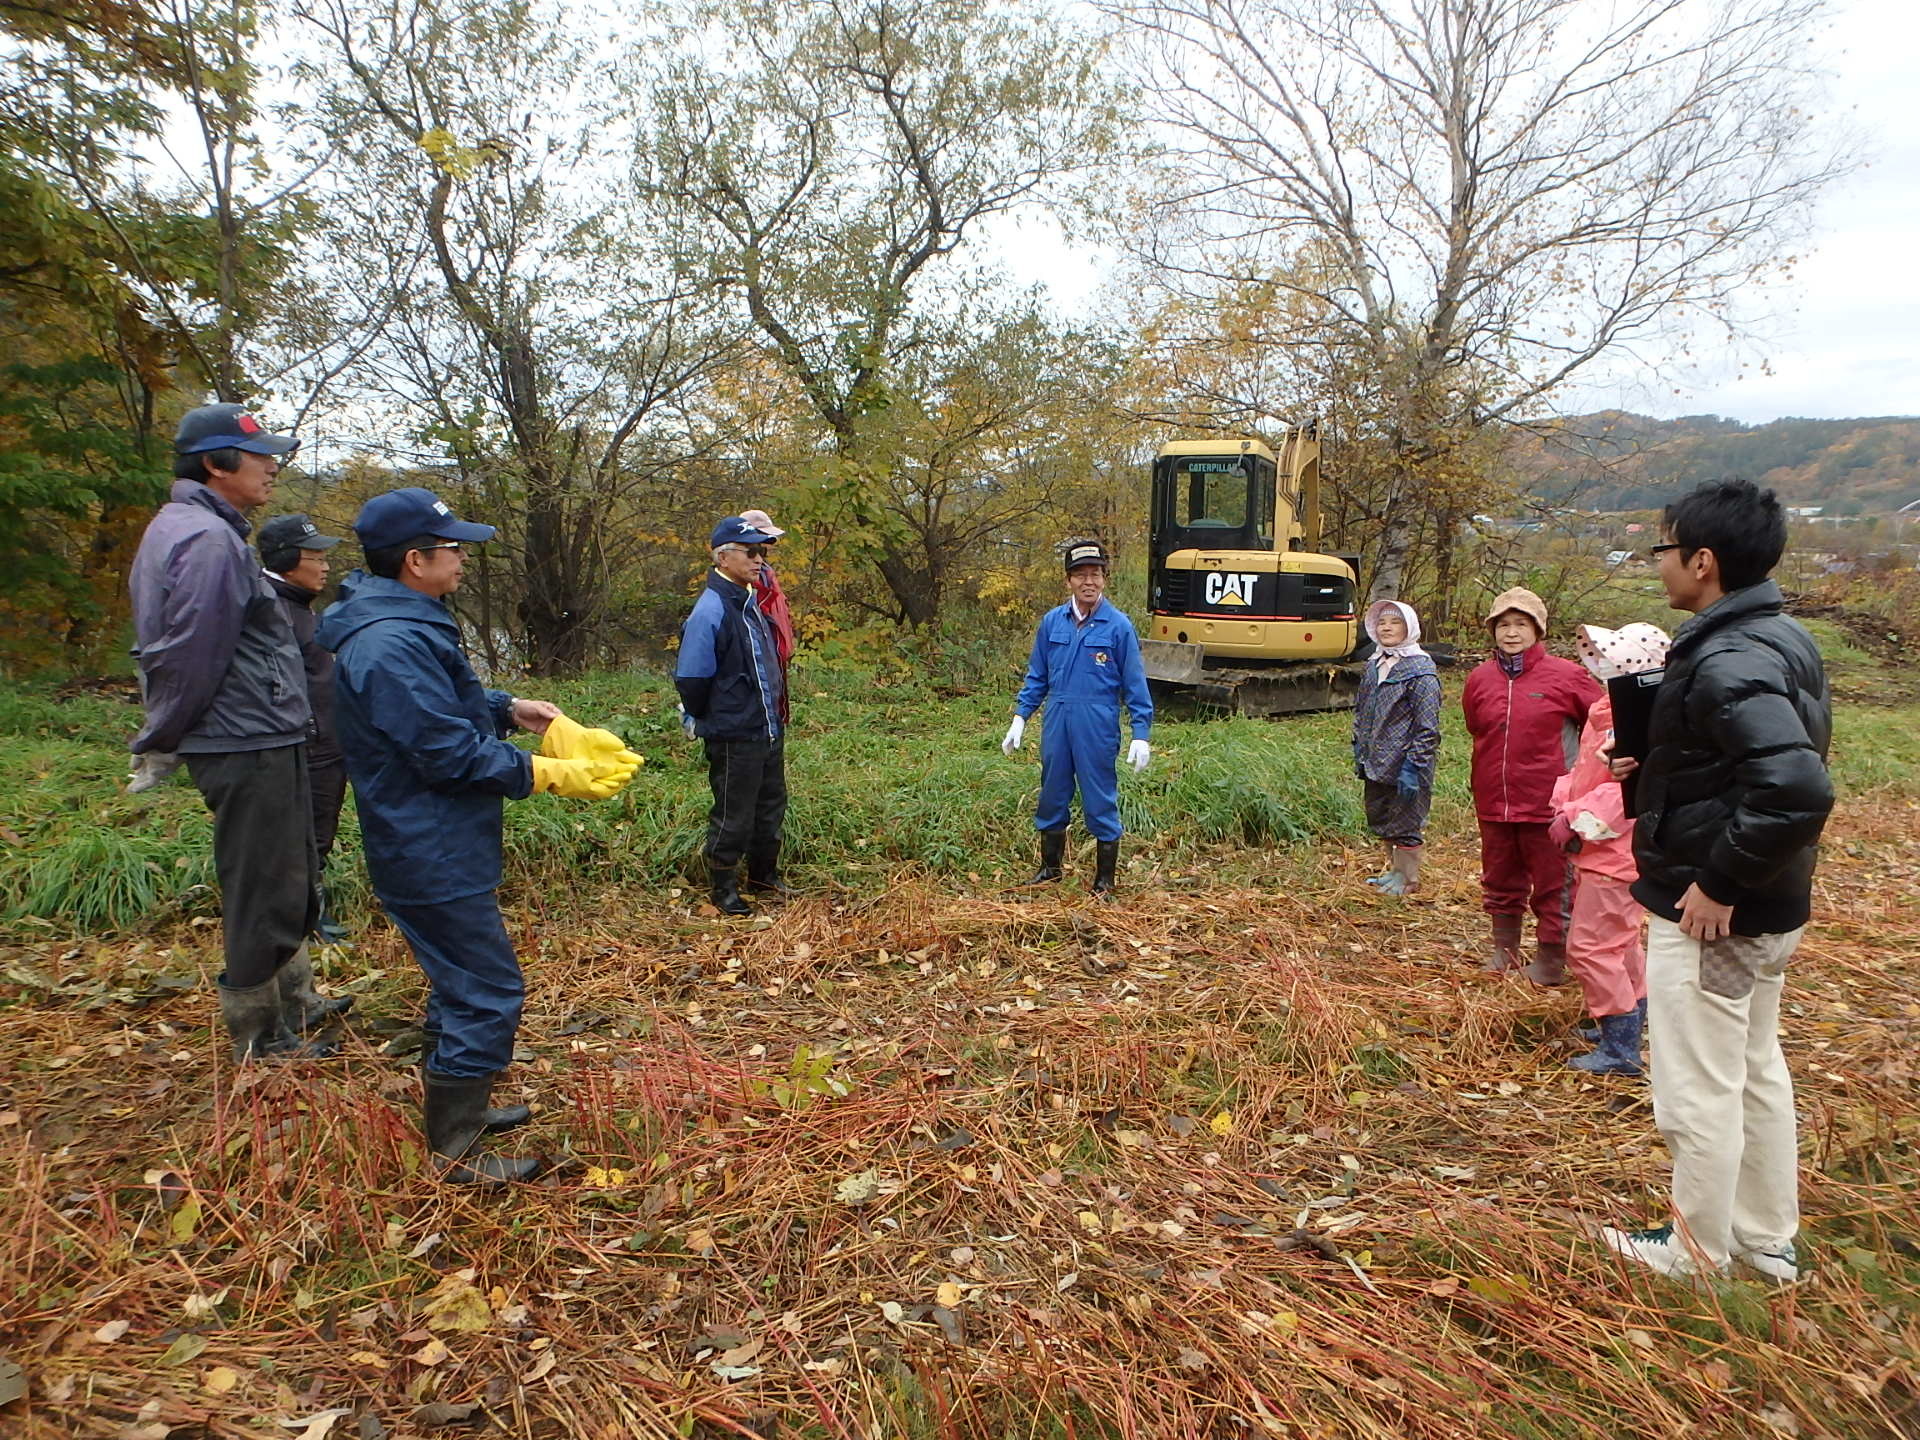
(947, 1294)
(220, 1379)
(1222, 1124)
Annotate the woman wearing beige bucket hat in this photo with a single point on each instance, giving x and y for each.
(1524, 710)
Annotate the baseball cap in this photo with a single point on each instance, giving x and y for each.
(734, 530)
(399, 515)
(292, 532)
(227, 427)
(762, 522)
(1087, 552)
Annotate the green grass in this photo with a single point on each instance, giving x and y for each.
(886, 771)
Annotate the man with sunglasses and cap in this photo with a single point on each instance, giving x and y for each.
(431, 766)
(733, 689)
(1085, 665)
(293, 557)
(224, 690)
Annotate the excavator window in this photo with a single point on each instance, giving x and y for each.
(1212, 494)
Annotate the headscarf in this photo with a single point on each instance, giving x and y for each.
(1627, 651)
(1386, 655)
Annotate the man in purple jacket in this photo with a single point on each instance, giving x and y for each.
(225, 690)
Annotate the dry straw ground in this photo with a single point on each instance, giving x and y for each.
(1205, 1162)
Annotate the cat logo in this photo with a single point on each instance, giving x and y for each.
(1227, 588)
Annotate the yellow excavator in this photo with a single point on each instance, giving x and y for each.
(1244, 609)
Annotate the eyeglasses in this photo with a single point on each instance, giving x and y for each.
(1654, 552)
(450, 545)
(752, 552)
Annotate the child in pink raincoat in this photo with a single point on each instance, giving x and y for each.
(1604, 949)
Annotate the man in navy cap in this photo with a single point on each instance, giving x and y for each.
(293, 556)
(733, 689)
(1085, 663)
(221, 679)
(426, 749)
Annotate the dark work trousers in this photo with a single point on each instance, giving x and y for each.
(475, 990)
(263, 853)
(329, 782)
(1520, 866)
(749, 780)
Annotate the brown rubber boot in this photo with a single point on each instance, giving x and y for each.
(1549, 966)
(1505, 954)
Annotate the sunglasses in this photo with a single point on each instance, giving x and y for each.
(753, 552)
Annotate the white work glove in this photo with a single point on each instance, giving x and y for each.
(686, 724)
(1138, 753)
(151, 770)
(1016, 732)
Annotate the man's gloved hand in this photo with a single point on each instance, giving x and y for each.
(1408, 784)
(1562, 836)
(688, 726)
(1016, 732)
(150, 770)
(567, 739)
(581, 779)
(1138, 753)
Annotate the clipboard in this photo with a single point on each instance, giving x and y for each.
(1632, 697)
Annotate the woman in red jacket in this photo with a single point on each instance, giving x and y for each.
(1524, 710)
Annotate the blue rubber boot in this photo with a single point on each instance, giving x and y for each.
(1618, 1052)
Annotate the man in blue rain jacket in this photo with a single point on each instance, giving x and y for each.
(733, 689)
(1085, 663)
(426, 749)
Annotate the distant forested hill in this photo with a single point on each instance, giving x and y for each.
(1615, 460)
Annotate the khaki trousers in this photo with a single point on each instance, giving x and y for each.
(1722, 1097)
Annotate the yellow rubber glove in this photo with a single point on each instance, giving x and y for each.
(580, 779)
(567, 739)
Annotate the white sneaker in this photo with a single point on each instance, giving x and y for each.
(1660, 1250)
(1781, 1264)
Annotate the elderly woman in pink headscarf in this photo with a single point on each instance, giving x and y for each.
(1591, 825)
(1396, 740)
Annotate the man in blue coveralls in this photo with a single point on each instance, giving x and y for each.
(426, 750)
(1086, 661)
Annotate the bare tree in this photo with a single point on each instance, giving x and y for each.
(543, 345)
(1481, 198)
(836, 166)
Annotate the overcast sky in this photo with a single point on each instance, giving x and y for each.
(1849, 340)
(1844, 339)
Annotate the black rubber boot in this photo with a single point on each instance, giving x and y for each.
(326, 929)
(455, 1109)
(303, 1008)
(763, 874)
(726, 890)
(1106, 859)
(498, 1117)
(1053, 857)
(256, 1020)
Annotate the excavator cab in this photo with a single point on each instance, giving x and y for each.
(1233, 564)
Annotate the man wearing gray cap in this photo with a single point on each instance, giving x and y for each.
(224, 689)
(293, 556)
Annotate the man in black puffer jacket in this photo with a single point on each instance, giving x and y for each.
(1731, 799)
